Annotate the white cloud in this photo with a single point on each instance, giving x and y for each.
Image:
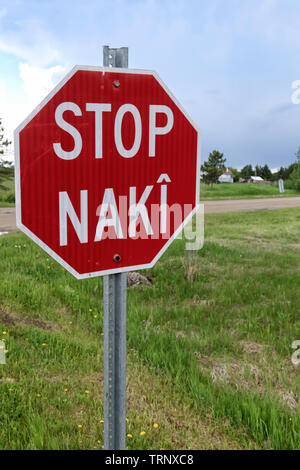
(16, 105)
(38, 81)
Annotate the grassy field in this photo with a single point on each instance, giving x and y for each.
(209, 344)
(242, 191)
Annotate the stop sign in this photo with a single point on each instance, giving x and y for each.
(107, 171)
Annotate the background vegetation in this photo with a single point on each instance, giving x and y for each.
(7, 187)
(243, 191)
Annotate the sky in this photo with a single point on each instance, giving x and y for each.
(231, 63)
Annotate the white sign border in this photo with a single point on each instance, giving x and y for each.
(39, 242)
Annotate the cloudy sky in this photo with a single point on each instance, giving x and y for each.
(231, 63)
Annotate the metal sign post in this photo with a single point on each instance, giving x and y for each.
(114, 327)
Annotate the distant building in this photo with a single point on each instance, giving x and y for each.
(255, 179)
(258, 180)
(227, 177)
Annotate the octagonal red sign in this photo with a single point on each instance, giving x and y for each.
(107, 170)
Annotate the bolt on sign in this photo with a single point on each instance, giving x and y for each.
(107, 170)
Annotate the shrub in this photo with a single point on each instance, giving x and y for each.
(288, 184)
(10, 197)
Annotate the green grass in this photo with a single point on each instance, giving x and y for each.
(7, 187)
(242, 191)
(209, 344)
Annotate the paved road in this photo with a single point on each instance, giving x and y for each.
(237, 205)
(8, 217)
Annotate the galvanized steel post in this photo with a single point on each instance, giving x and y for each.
(114, 327)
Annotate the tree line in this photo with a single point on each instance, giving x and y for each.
(214, 167)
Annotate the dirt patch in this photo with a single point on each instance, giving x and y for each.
(96, 378)
(290, 399)
(197, 301)
(234, 373)
(180, 334)
(6, 319)
(13, 320)
(250, 347)
(238, 375)
(191, 268)
(192, 335)
(246, 376)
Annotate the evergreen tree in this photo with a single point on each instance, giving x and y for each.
(288, 171)
(3, 144)
(259, 171)
(213, 168)
(266, 173)
(295, 175)
(247, 172)
(280, 173)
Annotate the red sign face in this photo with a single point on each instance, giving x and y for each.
(107, 171)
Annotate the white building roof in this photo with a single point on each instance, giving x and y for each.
(257, 178)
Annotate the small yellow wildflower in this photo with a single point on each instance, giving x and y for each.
(70, 322)
(99, 442)
(79, 426)
(44, 344)
(95, 316)
(65, 389)
(87, 392)
(142, 433)
(90, 309)
(155, 425)
(38, 394)
(101, 421)
(4, 332)
(127, 420)
(129, 435)
(48, 267)
(6, 351)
